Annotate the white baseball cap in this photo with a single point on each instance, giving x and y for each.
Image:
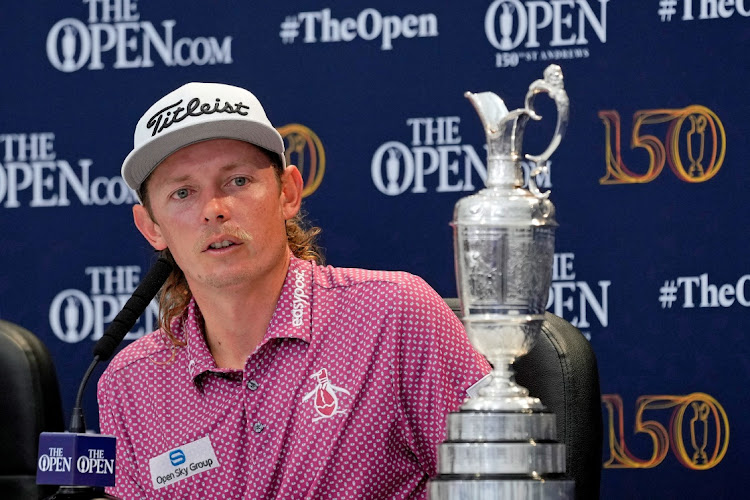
(192, 113)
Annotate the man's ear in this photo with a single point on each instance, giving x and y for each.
(148, 228)
(291, 191)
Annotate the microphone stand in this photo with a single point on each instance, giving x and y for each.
(78, 426)
(104, 348)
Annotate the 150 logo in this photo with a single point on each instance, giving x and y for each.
(697, 432)
(694, 144)
(304, 149)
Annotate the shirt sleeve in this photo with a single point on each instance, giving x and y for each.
(437, 364)
(112, 422)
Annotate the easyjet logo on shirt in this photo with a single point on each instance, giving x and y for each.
(299, 298)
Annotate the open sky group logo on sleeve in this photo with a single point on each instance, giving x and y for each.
(177, 457)
(183, 462)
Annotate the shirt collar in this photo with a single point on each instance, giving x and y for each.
(291, 319)
(198, 355)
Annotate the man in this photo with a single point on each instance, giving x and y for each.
(271, 376)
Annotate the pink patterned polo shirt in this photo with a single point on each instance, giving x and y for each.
(345, 397)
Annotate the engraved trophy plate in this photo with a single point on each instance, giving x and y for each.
(501, 444)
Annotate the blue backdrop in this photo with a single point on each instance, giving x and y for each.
(649, 183)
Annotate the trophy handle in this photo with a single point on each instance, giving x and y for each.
(552, 84)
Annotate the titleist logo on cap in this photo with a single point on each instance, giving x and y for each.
(171, 114)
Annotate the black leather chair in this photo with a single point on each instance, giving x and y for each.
(561, 370)
(29, 404)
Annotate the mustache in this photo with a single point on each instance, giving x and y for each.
(231, 231)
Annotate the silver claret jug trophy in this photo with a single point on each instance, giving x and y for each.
(501, 444)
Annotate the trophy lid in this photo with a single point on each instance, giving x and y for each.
(504, 201)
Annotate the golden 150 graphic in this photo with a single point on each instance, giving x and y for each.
(304, 149)
(696, 430)
(690, 140)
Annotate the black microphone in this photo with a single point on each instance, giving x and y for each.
(134, 307)
(77, 460)
(119, 327)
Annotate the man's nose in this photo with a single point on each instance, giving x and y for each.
(215, 208)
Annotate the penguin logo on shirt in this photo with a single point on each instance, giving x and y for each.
(325, 399)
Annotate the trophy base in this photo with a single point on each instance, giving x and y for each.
(519, 401)
(501, 426)
(501, 487)
(501, 454)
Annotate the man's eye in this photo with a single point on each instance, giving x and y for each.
(240, 181)
(181, 193)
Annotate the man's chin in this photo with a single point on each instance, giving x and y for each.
(226, 280)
